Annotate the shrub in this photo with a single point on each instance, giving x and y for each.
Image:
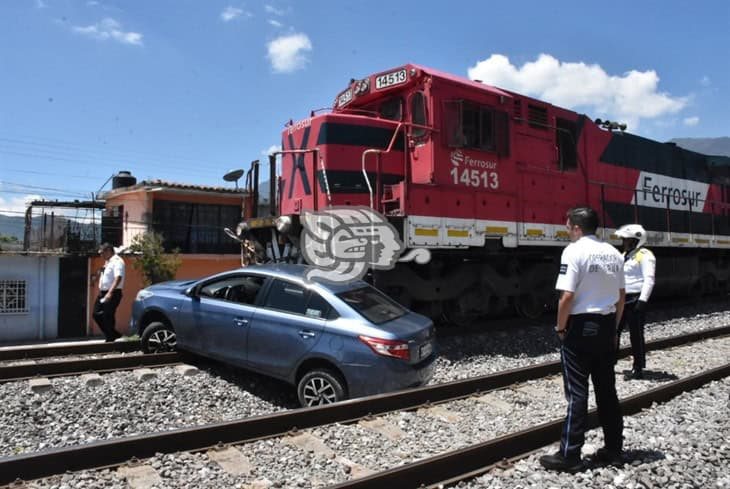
(155, 265)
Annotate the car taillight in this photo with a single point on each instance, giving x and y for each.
(388, 348)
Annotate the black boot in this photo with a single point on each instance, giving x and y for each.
(562, 464)
(607, 456)
(637, 373)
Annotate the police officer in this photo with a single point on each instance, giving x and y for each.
(639, 270)
(591, 280)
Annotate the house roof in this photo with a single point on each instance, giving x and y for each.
(158, 184)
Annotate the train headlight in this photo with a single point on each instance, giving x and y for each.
(283, 224)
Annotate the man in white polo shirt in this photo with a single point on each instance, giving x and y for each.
(591, 280)
(111, 283)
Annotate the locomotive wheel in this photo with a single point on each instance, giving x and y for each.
(533, 304)
(530, 306)
(453, 314)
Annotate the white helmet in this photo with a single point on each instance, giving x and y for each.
(633, 231)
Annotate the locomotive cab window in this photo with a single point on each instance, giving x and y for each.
(391, 109)
(472, 126)
(418, 114)
(566, 134)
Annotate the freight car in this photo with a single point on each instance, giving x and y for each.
(482, 177)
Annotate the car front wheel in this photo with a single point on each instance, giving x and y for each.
(158, 337)
(319, 387)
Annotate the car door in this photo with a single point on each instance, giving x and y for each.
(220, 315)
(287, 325)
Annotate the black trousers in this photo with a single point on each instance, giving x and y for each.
(104, 313)
(588, 350)
(635, 320)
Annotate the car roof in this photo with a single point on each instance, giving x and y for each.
(296, 273)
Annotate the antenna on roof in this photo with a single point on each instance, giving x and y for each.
(233, 176)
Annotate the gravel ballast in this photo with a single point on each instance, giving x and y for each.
(426, 433)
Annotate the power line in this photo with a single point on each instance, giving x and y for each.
(76, 148)
(96, 162)
(58, 191)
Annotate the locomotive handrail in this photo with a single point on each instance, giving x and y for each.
(273, 176)
(377, 169)
(326, 181)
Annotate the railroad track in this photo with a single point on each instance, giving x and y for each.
(466, 463)
(76, 348)
(118, 451)
(14, 373)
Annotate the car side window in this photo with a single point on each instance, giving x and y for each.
(288, 297)
(319, 308)
(242, 289)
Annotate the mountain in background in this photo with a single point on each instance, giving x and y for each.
(708, 146)
(12, 226)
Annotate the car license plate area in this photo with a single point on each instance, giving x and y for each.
(425, 350)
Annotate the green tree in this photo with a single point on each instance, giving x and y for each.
(155, 265)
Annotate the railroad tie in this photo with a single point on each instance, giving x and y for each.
(440, 412)
(382, 427)
(231, 460)
(313, 444)
(309, 443)
(186, 370)
(140, 477)
(92, 380)
(493, 401)
(41, 384)
(144, 374)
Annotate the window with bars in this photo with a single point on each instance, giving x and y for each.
(195, 228)
(13, 297)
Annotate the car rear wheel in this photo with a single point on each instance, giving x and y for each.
(158, 337)
(319, 387)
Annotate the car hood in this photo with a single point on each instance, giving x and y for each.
(171, 285)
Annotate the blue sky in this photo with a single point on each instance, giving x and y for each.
(185, 90)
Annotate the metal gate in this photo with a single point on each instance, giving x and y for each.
(72, 292)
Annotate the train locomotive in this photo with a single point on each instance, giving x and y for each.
(483, 177)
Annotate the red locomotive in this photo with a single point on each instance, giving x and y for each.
(483, 178)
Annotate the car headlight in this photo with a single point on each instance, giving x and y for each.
(143, 294)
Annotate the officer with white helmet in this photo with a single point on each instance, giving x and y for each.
(639, 273)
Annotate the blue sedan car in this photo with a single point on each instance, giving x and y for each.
(330, 341)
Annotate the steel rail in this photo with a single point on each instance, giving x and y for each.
(78, 348)
(118, 451)
(470, 461)
(13, 373)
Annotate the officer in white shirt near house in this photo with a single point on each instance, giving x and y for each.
(111, 283)
(640, 271)
(591, 281)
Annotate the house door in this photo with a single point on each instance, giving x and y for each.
(72, 296)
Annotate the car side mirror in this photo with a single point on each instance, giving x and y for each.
(192, 292)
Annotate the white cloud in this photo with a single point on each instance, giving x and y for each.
(15, 206)
(270, 149)
(270, 9)
(288, 53)
(231, 13)
(627, 98)
(691, 121)
(275, 23)
(705, 81)
(109, 28)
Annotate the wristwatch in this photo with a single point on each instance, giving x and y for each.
(558, 330)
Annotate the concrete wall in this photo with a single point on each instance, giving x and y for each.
(41, 275)
(192, 267)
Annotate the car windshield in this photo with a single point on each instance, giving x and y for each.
(372, 304)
